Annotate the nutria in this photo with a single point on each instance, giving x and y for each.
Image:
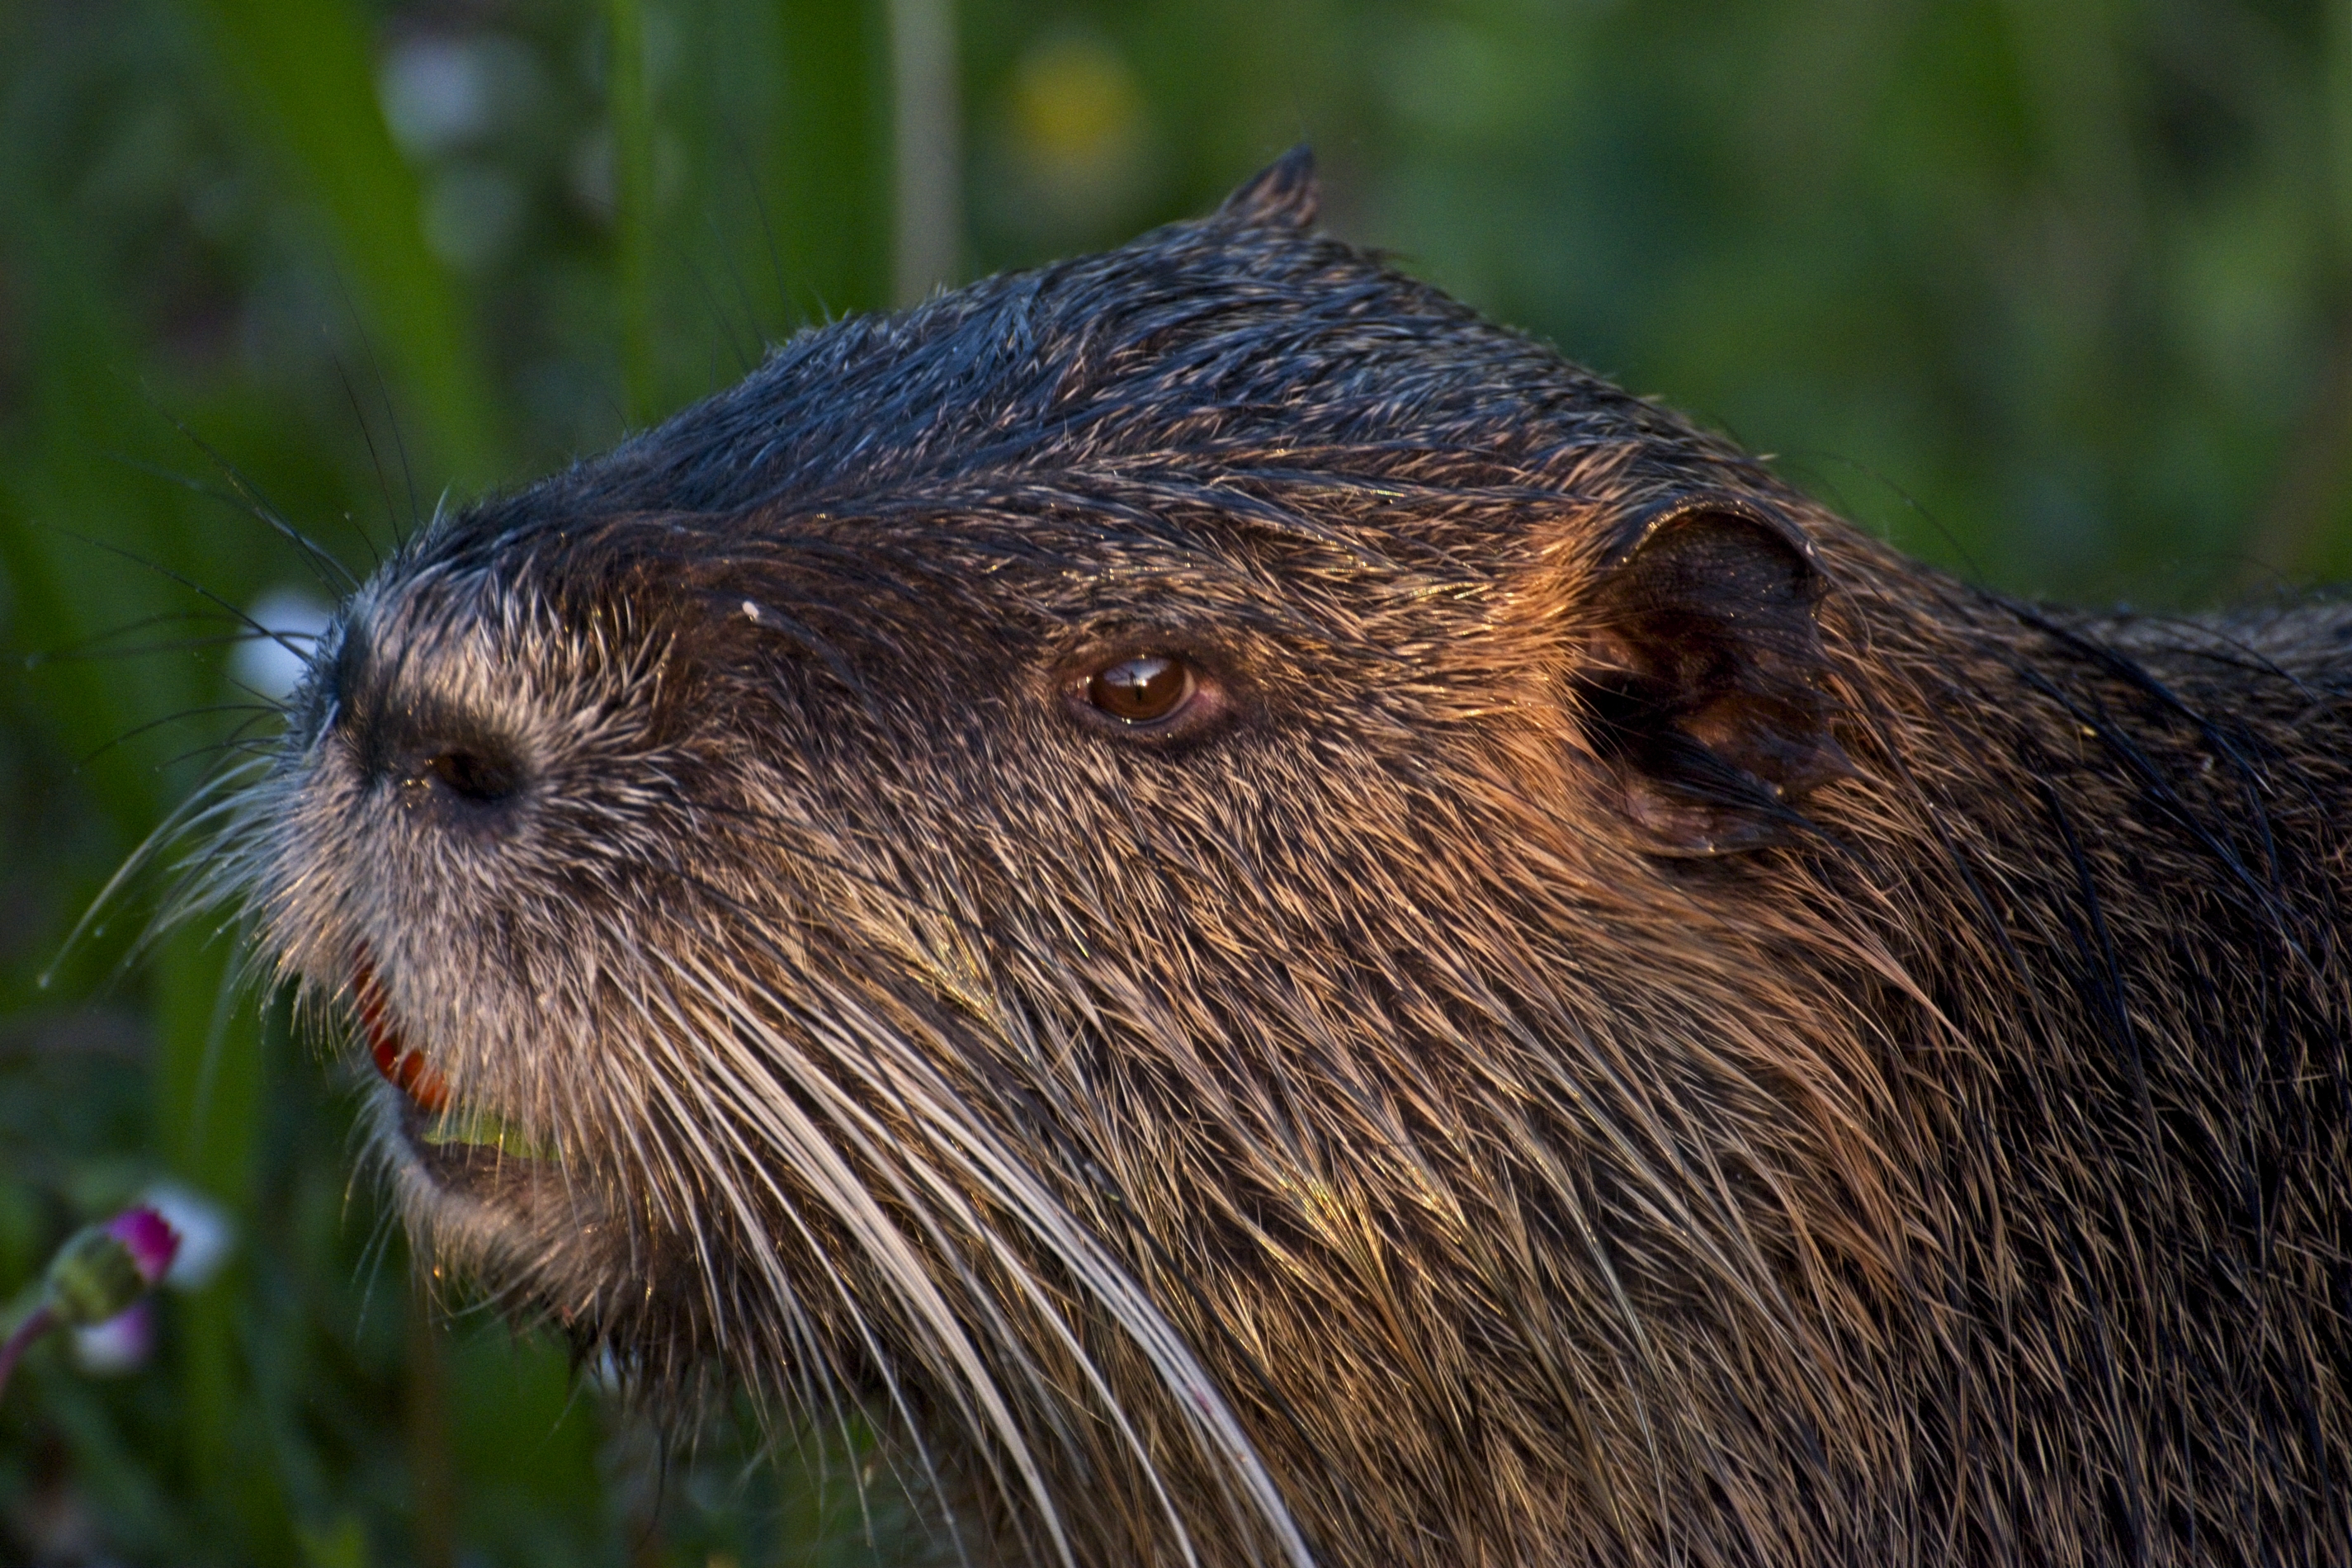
(1277, 927)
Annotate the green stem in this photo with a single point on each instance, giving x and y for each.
(12, 1350)
(632, 200)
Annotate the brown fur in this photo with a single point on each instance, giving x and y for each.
(1641, 1028)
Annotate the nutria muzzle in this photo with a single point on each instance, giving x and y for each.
(1278, 928)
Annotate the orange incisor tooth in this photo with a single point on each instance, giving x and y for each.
(409, 1072)
(423, 1084)
(405, 1071)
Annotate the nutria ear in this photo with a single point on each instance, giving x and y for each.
(1704, 680)
(1284, 194)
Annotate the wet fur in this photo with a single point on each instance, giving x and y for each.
(1479, 1103)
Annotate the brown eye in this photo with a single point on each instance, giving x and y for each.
(1142, 690)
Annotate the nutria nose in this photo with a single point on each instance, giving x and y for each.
(454, 776)
(432, 750)
(472, 772)
(429, 753)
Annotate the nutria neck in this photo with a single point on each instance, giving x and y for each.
(2111, 853)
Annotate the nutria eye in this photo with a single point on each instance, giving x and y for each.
(1143, 690)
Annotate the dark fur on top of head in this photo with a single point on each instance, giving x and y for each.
(1622, 1023)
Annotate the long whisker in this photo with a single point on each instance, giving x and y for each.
(203, 804)
(1010, 1180)
(816, 1159)
(376, 458)
(283, 639)
(383, 395)
(332, 574)
(773, 1267)
(180, 717)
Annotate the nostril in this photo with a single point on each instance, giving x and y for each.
(474, 775)
(472, 785)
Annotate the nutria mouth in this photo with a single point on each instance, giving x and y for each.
(458, 1145)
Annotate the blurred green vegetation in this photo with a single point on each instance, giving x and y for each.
(2056, 293)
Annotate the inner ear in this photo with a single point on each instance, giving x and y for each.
(1704, 677)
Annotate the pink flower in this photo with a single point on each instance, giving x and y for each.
(98, 1275)
(121, 1343)
(148, 1239)
(101, 1271)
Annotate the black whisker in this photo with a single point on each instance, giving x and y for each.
(392, 414)
(376, 458)
(283, 639)
(333, 575)
(137, 730)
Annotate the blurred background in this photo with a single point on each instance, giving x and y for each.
(2057, 293)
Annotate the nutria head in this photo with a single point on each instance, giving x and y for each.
(1246, 906)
